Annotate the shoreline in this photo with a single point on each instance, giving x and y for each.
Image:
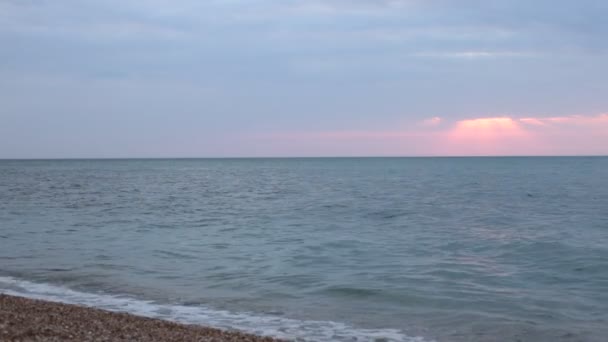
(25, 319)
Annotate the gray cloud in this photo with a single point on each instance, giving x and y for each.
(247, 66)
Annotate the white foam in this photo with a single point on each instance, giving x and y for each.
(252, 323)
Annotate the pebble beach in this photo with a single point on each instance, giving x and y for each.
(24, 319)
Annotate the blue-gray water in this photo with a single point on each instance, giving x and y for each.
(445, 249)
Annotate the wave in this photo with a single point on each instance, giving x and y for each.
(264, 325)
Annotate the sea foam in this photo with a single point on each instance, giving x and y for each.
(279, 327)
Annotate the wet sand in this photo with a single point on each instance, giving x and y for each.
(23, 319)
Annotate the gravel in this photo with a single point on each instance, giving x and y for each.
(23, 319)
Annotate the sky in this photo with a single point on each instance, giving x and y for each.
(254, 78)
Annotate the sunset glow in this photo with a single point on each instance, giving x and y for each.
(486, 136)
(487, 129)
(501, 135)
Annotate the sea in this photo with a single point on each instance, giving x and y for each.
(319, 249)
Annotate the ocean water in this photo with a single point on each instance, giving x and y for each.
(342, 249)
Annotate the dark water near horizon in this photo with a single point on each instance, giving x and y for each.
(333, 249)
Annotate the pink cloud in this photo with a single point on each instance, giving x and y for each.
(434, 121)
(486, 136)
(487, 128)
(578, 120)
(532, 121)
(503, 135)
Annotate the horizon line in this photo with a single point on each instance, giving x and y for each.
(305, 157)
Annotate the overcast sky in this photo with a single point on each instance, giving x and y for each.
(186, 78)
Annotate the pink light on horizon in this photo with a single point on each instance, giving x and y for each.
(501, 135)
(487, 136)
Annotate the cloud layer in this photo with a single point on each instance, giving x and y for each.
(106, 78)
